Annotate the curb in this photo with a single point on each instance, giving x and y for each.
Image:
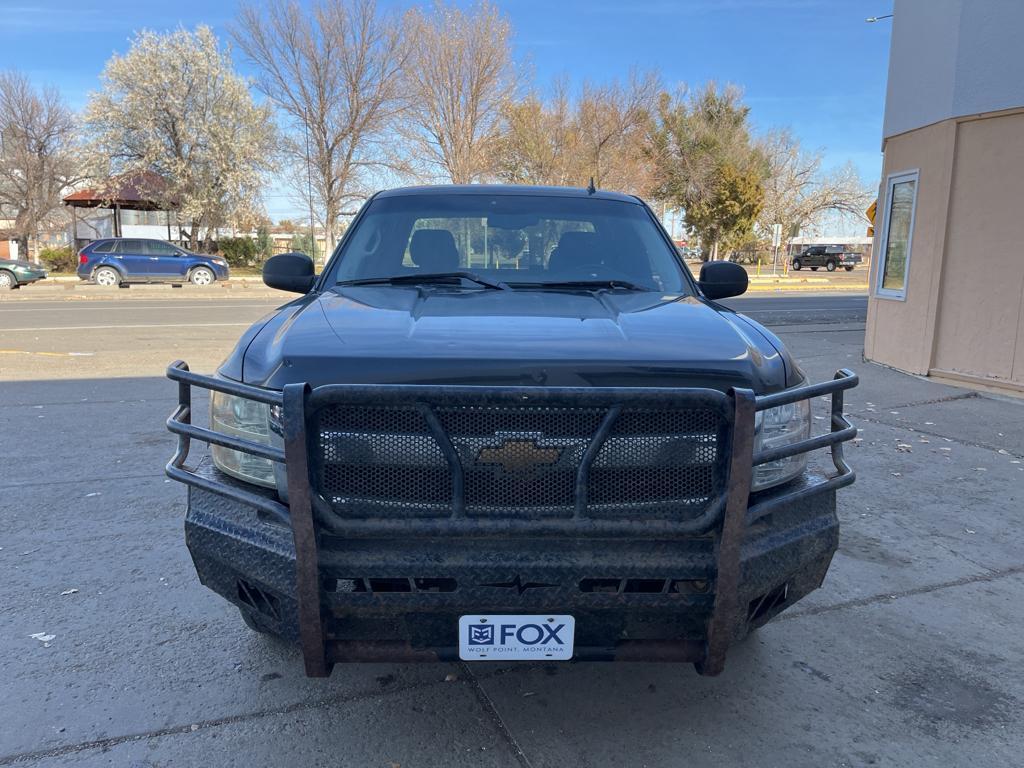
(75, 291)
(66, 280)
(73, 288)
(805, 288)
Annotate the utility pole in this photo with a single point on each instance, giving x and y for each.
(309, 185)
(776, 240)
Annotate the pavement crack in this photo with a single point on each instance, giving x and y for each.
(54, 483)
(87, 402)
(992, 575)
(918, 431)
(177, 730)
(488, 704)
(937, 400)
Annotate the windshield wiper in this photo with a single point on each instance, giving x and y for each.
(430, 277)
(590, 285)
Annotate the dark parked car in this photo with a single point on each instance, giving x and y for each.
(112, 261)
(15, 273)
(828, 256)
(505, 423)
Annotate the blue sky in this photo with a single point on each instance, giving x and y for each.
(812, 65)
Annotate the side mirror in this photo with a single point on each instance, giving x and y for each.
(289, 272)
(722, 279)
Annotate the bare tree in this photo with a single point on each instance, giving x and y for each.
(611, 122)
(538, 143)
(600, 135)
(797, 193)
(173, 105)
(459, 78)
(335, 71)
(37, 154)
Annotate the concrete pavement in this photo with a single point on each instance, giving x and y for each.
(911, 654)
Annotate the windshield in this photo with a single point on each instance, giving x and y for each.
(513, 240)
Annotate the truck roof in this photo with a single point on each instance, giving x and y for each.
(507, 189)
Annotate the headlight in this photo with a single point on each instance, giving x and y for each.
(776, 427)
(239, 417)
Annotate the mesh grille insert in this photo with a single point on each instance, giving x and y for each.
(654, 457)
(372, 459)
(518, 461)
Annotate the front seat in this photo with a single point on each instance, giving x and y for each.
(576, 255)
(433, 250)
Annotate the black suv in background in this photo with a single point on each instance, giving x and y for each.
(827, 256)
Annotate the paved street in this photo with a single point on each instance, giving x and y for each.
(791, 310)
(911, 654)
(128, 336)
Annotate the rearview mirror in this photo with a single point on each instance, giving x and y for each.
(512, 220)
(289, 272)
(722, 279)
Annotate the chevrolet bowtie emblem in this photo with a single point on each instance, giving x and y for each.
(518, 455)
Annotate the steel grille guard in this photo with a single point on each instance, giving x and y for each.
(727, 517)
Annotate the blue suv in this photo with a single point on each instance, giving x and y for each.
(116, 260)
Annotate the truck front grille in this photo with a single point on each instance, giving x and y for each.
(515, 461)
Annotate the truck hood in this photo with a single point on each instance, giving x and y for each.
(448, 335)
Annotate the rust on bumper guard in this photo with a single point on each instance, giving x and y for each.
(728, 519)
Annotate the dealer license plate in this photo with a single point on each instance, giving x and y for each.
(517, 638)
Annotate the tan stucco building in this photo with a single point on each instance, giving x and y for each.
(947, 281)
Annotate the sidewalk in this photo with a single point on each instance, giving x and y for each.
(804, 284)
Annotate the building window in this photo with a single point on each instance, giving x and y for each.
(897, 235)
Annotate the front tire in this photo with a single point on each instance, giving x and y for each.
(108, 277)
(201, 276)
(796, 265)
(831, 266)
(8, 282)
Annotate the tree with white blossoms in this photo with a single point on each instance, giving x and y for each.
(174, 105)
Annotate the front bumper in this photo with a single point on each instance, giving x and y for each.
(377, 589)
(400, 599)
(24, 277)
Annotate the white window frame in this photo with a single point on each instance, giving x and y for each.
(883, 244)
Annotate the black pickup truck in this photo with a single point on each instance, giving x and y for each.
(828, 256)
(505, 423)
